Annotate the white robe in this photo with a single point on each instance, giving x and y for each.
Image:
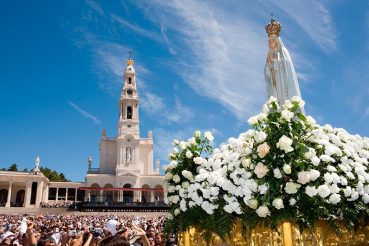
(285, 84)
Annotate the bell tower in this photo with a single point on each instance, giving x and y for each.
(129, 123)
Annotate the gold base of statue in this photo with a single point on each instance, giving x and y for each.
(287, 234)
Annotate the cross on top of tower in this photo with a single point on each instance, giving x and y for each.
(130, 61)
(130, 54)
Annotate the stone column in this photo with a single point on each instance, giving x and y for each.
(9, 195)
(75, 194)
(27, 198)
(66, 194)
(57, 194)
(139, 196)
(152, 196)
(165, 195)
(45, 194)
(39, 193)
(89, 195)
(101, 198)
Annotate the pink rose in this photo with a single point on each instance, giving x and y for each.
(261, 170)
(263, 150)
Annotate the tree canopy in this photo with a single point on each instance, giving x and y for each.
(52, 175)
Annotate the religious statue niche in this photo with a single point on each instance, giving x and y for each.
(128, 156)
(280, 75)
(129, 112)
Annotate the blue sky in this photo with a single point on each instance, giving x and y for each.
(199, 65)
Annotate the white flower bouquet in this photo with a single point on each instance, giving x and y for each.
(286, 168)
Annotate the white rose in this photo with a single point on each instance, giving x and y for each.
(175, 142)
(189, 154)
(287, 104)
(261, 116)
(324, 191)
(298, 100)
(253, 120)
(315, 160)
(291, 187)
(197, 134)
(278, 203)
(175, 199)
(292, 201)
(263, 211)
(335, 198)
(287, 169)
(310, 154)
(171, 189)
(310, 121)
(182, 144)
(260, 137)
(263, 189)
(246, 162)
(198, 160)
(263, 150)
(277, 173)
(168, 176)
(287, 115)
(176, 178)
(165, 168)
(252, 203)
(314, 174)
(303, 177)
(192, 141)
(169, 216)
(284, 143)
(209, 136)
(177, 211)
(328, 178)
(187, 174)
(260, 170)
(311, 191)
(185, 185)
(366, 198)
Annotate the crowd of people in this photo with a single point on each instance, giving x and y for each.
(83, 230)
(60, 204)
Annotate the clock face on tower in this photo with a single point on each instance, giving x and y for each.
(129, 92)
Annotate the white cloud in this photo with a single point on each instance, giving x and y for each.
(152, 104)
(137, 29)
(313, 17)
(95, 6)
(157, 108)
(85, 113)
(223, 57)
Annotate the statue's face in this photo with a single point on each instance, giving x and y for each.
(273, 43)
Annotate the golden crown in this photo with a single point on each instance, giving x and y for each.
(273, 28)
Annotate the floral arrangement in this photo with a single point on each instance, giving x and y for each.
(286, 168)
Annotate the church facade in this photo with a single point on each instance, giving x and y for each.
(126, 170)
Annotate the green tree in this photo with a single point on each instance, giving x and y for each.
(25, 170)
(13, 167)
(53, 175)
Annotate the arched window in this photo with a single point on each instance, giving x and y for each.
(129, 80)
(129, 112)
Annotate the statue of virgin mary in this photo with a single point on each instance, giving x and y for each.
(280, 75)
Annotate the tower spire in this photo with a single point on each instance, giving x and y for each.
(128, 103)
